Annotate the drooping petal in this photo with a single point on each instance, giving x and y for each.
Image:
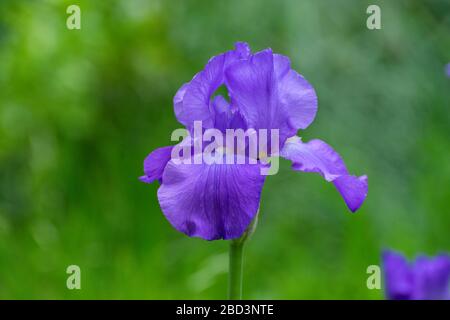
(155, 163)
(432, 278)
(211, 201)
(399, 280)
(353, 189)
(192, 101)
(317, 156)
(270, 95)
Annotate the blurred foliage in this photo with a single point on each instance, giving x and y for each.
(80, 109)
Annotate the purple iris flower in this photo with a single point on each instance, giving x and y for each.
(427, 278)
(218, 201)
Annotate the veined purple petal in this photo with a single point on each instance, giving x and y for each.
(298, 98)
(270, 95)
(155, 163)
(252, 86)
(399, 281)
(178, 101)
(192, 101)
(226, 117)
(353, 189)
(317, 156)
(216, 201)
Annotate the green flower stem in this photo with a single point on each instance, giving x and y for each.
(237, 261)
(236, 268)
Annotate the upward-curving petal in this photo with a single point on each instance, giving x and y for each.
(155, 163)
(252, 86)
(270, 95)
(192, 101)
(317, 156)
(297, 96)
(211, 201)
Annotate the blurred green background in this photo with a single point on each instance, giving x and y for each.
(80, 109)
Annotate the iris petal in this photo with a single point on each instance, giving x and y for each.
(270, 95)
(281, 65)
(215, 201)
(399, 279)
(155, 163)
(298, 99)
(192, 101)
(432, 278)
(297, 96)
(317, 156)
(252, 87)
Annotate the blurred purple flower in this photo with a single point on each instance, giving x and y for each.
(427, 278)
(218, 201)
(447, 70)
